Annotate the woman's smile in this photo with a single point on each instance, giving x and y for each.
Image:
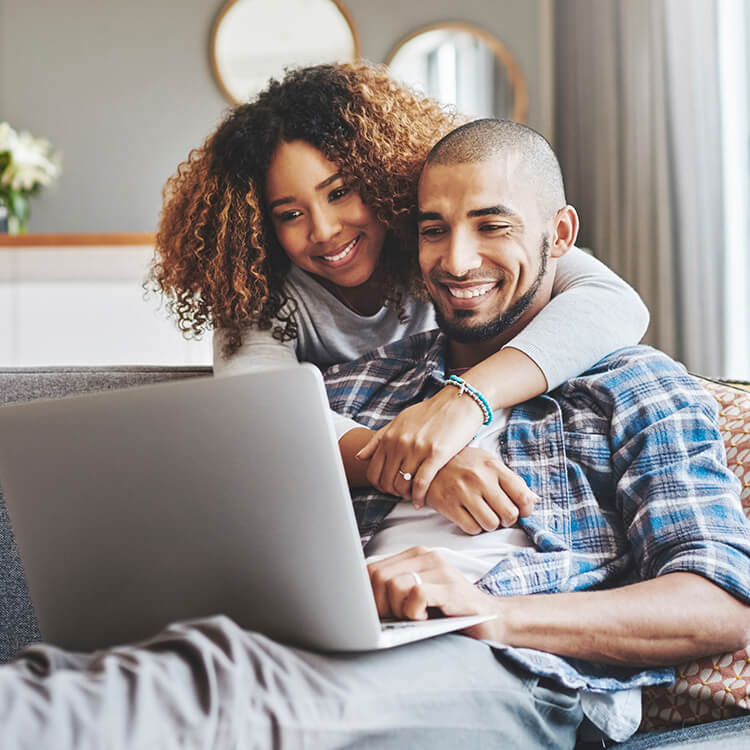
(344, 255)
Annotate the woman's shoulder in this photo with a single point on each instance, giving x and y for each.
(259, 350)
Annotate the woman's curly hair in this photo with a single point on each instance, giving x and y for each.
(217, 261)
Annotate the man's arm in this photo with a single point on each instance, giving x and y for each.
(680, 509)
(645, 624)
(350, 444)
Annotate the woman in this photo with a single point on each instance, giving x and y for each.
(288, 232)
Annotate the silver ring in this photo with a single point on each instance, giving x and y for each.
(417, 577)
(406, 475)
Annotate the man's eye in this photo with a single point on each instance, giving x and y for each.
(338, 193)
(494, 227)
(431, 231)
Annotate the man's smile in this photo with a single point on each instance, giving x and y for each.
(468, 294)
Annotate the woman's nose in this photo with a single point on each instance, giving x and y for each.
(325, 225)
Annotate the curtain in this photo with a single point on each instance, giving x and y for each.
(638, 133)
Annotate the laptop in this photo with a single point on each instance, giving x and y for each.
(140, 507)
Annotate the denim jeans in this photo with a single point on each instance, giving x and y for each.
(728, 734)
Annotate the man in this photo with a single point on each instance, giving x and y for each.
(636, 513)
(617, 456)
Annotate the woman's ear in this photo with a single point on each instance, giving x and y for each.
(564, 231)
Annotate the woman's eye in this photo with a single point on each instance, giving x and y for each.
(289, 215)
(338, 193)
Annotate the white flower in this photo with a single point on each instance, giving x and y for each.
(31, 162)
(7, 136)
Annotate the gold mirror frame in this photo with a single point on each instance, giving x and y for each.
(506, 59)
(342, 9)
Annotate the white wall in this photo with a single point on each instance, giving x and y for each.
(85, 306)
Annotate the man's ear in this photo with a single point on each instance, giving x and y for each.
(564, 231)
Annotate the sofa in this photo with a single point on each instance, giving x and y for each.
(707, 705)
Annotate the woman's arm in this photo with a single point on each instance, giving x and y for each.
(587, 296)
(259, 351)
(551, 349)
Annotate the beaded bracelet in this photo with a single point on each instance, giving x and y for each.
(479, 399)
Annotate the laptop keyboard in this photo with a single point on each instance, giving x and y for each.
(399, 624)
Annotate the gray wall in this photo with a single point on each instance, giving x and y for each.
(125, 89)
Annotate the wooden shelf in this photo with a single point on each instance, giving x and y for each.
(76, 240)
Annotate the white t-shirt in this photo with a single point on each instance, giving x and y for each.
(472, 555)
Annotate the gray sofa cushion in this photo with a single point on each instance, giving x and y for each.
(18, 625)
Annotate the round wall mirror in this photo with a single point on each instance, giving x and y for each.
(464, 66)
(254, 40)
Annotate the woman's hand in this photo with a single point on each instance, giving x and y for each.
(478, 492)
(419, 442)
(466, 485)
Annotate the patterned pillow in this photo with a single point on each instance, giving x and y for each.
(715, 687)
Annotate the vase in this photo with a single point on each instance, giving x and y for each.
(17, 208)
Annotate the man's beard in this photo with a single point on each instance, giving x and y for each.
(468, 334)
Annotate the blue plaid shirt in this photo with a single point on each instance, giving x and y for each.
(628, 462)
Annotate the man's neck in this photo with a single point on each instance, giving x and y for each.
(463, 356)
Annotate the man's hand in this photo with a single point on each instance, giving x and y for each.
(642, 624)
(419, 442)
(401, 594)
(478, 492)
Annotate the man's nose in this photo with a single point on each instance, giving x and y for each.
(325, 225)
(461, 256)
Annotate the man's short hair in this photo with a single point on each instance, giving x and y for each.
(481, 140)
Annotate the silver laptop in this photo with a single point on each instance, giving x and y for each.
(136, 508)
